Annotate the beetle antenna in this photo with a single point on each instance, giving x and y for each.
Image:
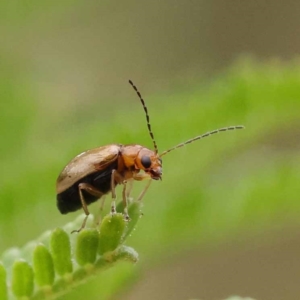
(201, 137)
(147, 116)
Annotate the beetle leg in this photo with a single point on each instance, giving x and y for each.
(129, 187)
(115, 177)
(140, 197)
(124, 195)
(113, 191)
(139, 177)
(91, 190)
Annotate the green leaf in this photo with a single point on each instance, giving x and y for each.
(22, 279)
(43, 266)
(111, 232)
(87, 246)
(52, 274)
(60, 248)
(134, 212)
(3, 285)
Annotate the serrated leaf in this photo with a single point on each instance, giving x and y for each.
(87, 246)
(22, 279)
(60, 248)
(43, 266)
(59, 260)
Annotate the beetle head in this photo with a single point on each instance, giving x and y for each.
(150, 162)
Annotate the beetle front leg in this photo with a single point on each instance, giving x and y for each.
(142, 194)
(124, 196)
(141, 176)
(115, 177)
(129, 187)
(113, 192)
(91, 190)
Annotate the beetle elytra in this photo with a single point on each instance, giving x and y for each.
(96, 172)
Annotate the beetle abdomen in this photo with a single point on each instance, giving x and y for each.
(69, 200)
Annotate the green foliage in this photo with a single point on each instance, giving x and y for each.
(55, 270)
(43, 266)
(114, 224)
(22, 279)
(87, 245)
(211, 190)
(61, 252)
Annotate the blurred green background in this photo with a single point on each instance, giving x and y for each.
(225, 218)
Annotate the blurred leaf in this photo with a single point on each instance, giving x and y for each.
(87, 246)
(22, 279)
(43, 266)
(111, 232)
(61, 252)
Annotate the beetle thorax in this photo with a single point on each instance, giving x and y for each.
(137, 157)
(130, 154)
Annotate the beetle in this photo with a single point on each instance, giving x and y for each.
(96, 172)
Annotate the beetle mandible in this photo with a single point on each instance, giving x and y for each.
(96, 172)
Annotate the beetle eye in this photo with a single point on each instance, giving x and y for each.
(146, 161)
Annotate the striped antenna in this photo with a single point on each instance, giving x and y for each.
(201, 137)
(147, 116)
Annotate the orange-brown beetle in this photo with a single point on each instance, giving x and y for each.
(94, 173)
